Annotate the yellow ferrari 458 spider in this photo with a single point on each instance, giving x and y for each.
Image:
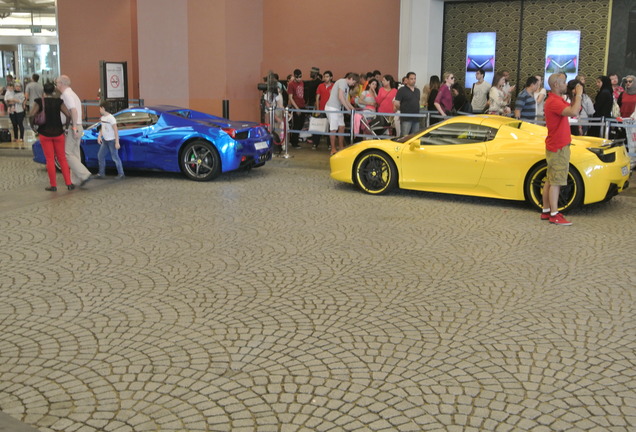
(483, 155)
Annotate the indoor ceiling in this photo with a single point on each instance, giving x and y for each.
(27, 17)
(36, 6)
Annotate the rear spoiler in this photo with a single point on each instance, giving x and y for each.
(615, 143)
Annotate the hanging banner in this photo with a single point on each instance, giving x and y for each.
(480, 54)
(562, 54)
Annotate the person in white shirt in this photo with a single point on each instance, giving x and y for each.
(338, 101)
(108, 140)
(79, 173)
(481, 90)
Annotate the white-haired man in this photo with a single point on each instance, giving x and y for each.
(79, 173)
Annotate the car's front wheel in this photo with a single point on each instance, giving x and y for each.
(200, 161)
(570, 195)
(375, 173)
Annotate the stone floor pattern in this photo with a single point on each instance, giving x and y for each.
(280, 300)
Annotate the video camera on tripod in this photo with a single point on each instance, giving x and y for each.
(271, 88)
(269, 84)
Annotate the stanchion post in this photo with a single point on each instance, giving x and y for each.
(226, 109)
(352, 134)
(286, 126)
(272, 120)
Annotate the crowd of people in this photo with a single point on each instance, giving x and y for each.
(373, 94)
(369, 95)
(54, 111)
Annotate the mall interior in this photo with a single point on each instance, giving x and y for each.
(276, 299)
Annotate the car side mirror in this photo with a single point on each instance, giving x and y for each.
(415, 144)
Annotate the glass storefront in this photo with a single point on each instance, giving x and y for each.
(28, 40)
(41, 59)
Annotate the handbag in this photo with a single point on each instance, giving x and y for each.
(616, 110)
(318, 124)
(40, 117)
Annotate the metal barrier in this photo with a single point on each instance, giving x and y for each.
(86, 120)
(288, 112)
(629, 127)
(606, 125)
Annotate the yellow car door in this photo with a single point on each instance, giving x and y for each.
(448, 158)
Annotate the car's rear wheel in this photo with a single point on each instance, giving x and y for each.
(200, 161)
(570, 195)
(375, 173)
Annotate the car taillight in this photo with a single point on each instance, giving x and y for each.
(231, 132)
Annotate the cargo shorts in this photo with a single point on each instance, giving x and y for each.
(558, 166)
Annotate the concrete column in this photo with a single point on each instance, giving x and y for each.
(163, 51)
(421, 26)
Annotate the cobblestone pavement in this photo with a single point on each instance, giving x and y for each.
(280, 300)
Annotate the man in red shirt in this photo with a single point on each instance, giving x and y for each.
(557, 145)
(324, 90)
(322, 96)
(296, 91)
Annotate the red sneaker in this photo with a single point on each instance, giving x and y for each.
(558, 219)
(545, 216)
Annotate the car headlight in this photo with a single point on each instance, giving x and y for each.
(605, 157)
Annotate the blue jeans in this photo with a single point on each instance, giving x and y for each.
(101, 157)
(409, 125)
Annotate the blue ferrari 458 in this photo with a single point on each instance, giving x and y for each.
(168, 138)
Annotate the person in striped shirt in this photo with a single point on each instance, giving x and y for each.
(526, 106)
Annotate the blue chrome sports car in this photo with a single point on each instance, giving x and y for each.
(168, 138)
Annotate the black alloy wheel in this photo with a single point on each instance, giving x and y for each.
(375, 173)
(200, 161)
(570, 195)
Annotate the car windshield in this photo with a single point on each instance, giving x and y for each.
(405, 138)
(135, 119)
(182, 113)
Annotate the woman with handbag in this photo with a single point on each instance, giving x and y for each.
(51, 134)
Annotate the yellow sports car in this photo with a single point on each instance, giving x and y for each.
(483, 155)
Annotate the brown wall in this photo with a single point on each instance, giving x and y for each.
(94, 30)
(228, 45)
(225, 55)
(163, 52)
(207, 72)
(342, 36)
